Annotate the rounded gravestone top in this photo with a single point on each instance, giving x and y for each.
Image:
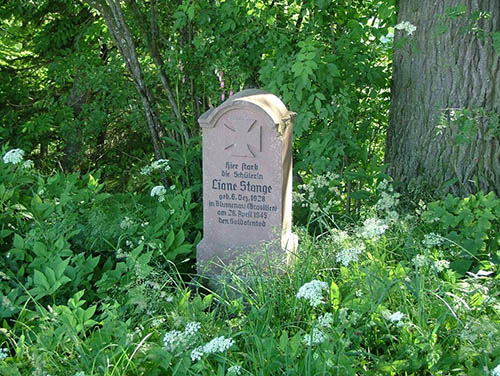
(267, 102)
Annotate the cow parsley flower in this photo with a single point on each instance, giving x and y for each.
(192, 328)
(440, 265)
(325, 320)
(27, 164)
(421, 261)
(197, 353)
(313, 292)
(172, 340)
(218, 344)
(348, 255)
(432, 240)
(14, 156)
(316, 337)
(159, 191)
(234, 370)
(159, 164)
(496, 371)
(175, 338)
(3, 353)
(406, 26)
(373, 227)
(396, 316)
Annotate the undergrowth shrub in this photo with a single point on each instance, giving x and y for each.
(63, 233)
(468, 228)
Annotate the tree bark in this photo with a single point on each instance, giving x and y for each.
(113, 16)
(443, 124)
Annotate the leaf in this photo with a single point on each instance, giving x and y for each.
(334, 295)
(284, 340)
(18, 241)
(41, 281)
(334, 71)
(461, 266)
(170, 239)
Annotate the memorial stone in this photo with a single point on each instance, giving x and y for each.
(247, 182)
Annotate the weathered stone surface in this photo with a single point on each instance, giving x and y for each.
(247, 182)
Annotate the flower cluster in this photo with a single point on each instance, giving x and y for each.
(388, 201)
(176, 338)
(234, 370)
(396, 317)
(317, 334)
(313, 292)
(220, 76)
(160, 164)
(373, 228)
(316, 337)
(159, 191)
(325, 320)
(406, 26)
(126, 223)
(348, 255)
(3, 353)
(309, 194)
(432, 240)
(218, 344)
(14, 156)
(27, 164)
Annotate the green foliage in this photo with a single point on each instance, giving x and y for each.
(470, 227)
(63, 233)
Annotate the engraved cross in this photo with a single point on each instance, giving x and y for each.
(244, 138)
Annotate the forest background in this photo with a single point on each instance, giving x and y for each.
(103, 98)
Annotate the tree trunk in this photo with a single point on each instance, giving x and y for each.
(113, 16)
(443, 124)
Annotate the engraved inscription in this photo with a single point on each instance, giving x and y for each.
(242, 202)
(245, 138)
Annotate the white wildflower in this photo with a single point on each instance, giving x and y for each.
(432, 240)
(197, 353)
(343, 315)
(169, 298)
(172, 340)
(192, 328)
(396, 316)
(406, 26)
(326, 320)
(218, 344)
(14, 156)
(496, 371)
(314, 207)
(3, 353)
(175, 338)
(126, 223)
(316, 337)
(28, 164)
(159, 191)
(420, 261)
(440, 265)
(234, 370)
(340, 236)
(313, 292)
(160, 164)
(372, 228)
(387, 201)
(348, 255)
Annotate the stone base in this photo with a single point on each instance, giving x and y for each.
(217, 259)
